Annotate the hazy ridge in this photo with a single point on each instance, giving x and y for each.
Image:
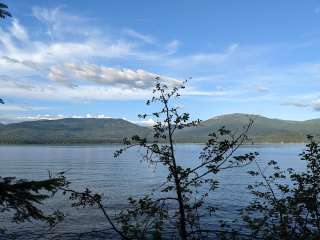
(92, 130)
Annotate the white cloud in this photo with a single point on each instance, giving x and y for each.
(316, 105)
(11, 87)
(106, 75)
(16, 119)
(78, 61)
(48, 58)
(57, 74)
(220, 88)
(58, 23)
(209, 78)
(40, 117)
(47, 15)
(233, 47)
(67, 61)
(173, 46)
(63, 93)
(307, 100)
(145, 38)
(147, 122)
(215, 93)
(19, 47)
(295, 104)
(25, 63)
(196, 59)
(18, 31)
(260, 88)
(19, 107)
(7, 119)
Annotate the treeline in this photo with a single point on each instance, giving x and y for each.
(99, 131)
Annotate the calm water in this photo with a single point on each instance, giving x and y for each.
(94, 167)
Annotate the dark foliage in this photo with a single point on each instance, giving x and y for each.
(3, 11)
(89, 199)
(286, 204)
(181, 190)
(24, 198)
(174, 210)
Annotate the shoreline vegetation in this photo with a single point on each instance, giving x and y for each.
(75, 131)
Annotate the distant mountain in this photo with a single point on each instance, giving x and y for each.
(92, 130)
(264, 130)
(70, 130)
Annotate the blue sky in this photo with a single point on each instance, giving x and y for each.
(99, 58)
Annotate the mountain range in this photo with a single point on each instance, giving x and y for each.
(93, 130)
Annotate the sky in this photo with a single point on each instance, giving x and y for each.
(100, 58)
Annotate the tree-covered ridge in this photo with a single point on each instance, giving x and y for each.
(264, 130)
(92, 130)
(65, 131)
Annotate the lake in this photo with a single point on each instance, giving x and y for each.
(93, 166)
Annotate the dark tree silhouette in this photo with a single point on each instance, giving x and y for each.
(183, 183)
(3, 11)
(178, 205)
(286, 204)
(24, 197)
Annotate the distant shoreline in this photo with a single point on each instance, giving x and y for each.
(120, 143)
(93, 131)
